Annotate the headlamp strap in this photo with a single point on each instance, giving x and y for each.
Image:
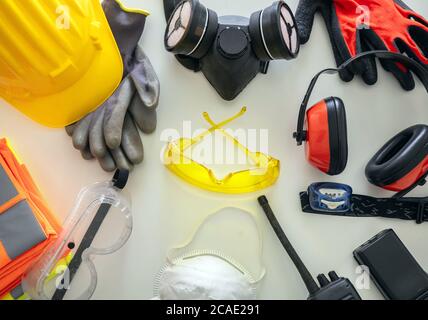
(410, 208)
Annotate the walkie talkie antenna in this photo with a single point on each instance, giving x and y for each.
(309, 281)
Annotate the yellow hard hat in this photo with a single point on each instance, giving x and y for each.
(58, 58)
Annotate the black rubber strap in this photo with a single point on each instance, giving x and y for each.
(365, 206)
(119, 181)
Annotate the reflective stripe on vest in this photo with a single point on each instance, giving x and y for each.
(8, 190)
(19, 230)
(16, 294)
(27, 226)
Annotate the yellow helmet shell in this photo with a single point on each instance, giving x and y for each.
(58, 59)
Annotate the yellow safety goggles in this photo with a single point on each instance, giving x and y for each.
(264, 173)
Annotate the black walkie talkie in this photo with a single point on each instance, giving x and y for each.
(337, 288)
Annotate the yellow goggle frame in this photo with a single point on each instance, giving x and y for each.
(264, 174)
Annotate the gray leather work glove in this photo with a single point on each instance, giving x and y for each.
(110, 134)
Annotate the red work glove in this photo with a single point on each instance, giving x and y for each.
(357, 26)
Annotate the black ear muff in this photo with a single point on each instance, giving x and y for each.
(338, 135)
(191, 29)
(402, 161)
(274, 33)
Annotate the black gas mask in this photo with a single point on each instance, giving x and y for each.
(230, 50)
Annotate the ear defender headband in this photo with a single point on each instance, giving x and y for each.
(401, 163)
(192, 28)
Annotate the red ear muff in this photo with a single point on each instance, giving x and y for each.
(326, 137)
(274, 33)
(400, 165)
(402, 161)
(191, 29)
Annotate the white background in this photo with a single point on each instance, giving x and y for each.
(166, 210)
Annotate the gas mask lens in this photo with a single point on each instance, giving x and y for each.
(289, 30)
(178, 24)
(191, 29)
(100, 224)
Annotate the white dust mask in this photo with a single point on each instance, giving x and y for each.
(218, 263)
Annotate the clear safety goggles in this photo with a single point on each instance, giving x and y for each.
(100, 224)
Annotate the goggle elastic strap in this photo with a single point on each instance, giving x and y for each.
(119, 181)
